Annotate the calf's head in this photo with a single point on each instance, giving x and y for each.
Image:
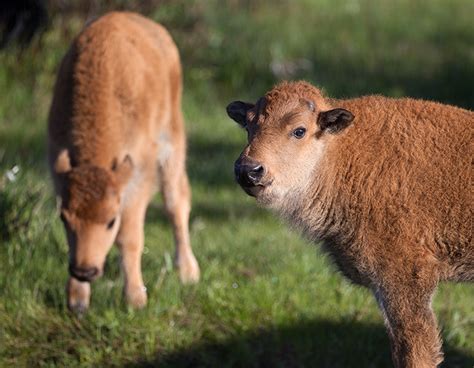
(288, 130)
(90, 211)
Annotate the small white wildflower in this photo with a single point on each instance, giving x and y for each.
(12, 173)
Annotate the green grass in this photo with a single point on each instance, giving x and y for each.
(267, 298)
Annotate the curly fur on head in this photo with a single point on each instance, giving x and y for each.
(285, 92)
(89, 190)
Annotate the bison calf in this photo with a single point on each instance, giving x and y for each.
(386, 184)
(116, 131)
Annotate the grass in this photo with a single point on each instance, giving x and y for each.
(267, 298)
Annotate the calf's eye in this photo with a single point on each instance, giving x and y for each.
(110, 225)
(299, 132)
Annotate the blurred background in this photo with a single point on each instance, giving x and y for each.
(267, 298)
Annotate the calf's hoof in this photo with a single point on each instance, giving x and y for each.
(78, 295)
(189, 272)
(136, 297)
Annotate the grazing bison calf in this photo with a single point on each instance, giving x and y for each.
(386, 184)
(116, 131)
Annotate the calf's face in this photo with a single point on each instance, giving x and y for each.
(90, 211)
(286, 143)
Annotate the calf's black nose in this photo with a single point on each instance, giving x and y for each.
(248, 173)
(255, 173)
(83, 274)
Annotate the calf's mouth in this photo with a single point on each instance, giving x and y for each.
(254, 190)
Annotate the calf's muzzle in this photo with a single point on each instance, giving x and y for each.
(249, 174)
(84, 274)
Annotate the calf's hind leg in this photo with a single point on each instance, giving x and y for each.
(177, 198)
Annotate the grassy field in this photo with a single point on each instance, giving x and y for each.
(267, 298)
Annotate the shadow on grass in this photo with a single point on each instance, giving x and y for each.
(211, 162)
(306, 344)
(215, 212)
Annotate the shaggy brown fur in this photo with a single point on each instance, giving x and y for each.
(386, 184)
(115, 132)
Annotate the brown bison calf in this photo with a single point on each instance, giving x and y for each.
(116, 131)
(386, 184)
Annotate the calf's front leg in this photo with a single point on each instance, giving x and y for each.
(411, 324)
(131, 240)
(78, 295)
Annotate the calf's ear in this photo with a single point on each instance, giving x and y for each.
(237, 111)
(333, 121)
(63, 162)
